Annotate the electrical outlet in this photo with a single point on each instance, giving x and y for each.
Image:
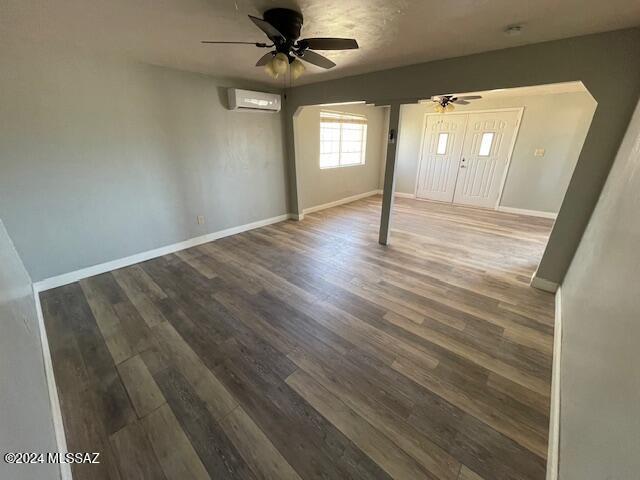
(200, 219)
(538, 152)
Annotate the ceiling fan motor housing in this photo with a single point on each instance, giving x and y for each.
(286, 21)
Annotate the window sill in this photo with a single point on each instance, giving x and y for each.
(343, 166)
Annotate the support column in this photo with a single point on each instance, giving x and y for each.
(389, 173)
(289, 119)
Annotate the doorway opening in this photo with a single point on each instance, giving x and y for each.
(489, 170)
(340, 153)
(512, 150)
(508, 155)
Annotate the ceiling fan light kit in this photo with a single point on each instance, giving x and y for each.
(282, 26)
(280, 63)
(269, 70)
(297, 69)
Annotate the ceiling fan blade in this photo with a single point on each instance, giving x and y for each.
(328, 43)
(317, 59)
(257, 44)
(269, 30)
(460, 102)
(470, 97)
(264, 59)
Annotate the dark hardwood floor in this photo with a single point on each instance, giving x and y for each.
(305, 350)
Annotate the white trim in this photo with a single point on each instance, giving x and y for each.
(511, 149)
(404, 195)
(421, 159)
(296, 216)
(543, 284)
(503, 182)
(54, 401)
(553, 454)
(342, 201)
(356, 102)
(523, 211)
(76, 275)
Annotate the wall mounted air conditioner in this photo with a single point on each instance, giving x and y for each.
(248, 100)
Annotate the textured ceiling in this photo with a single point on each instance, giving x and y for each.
(390, 32)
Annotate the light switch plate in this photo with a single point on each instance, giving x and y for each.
(200, 220)
(538, 152)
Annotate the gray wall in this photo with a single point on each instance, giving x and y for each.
(103, 158)
(26, 424)
(319, 186)
(607, 63)
(556, 122)
(600, 370)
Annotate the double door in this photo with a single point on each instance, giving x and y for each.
(465, 156)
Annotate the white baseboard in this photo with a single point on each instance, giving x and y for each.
(342, 201)
(543, 284)
(54, 401)
(404, 195)
(531, 213)
(71, 277)
(296, 216)
(553, 456)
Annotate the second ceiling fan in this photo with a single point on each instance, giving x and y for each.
(282, 26)
(445, 103)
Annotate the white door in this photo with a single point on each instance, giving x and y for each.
(485, 155)
(441, 150)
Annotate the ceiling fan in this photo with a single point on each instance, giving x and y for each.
(445, 103)
(282, 26)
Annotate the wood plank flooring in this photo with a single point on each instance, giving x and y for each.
(305, 350)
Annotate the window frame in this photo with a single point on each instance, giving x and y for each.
(342, 119)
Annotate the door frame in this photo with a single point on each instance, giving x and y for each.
(503, 181)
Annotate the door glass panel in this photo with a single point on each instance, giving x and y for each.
(442, 144)
(485, 144)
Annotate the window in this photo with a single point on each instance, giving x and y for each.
(485, 144)
(343, 138)
(441, 149)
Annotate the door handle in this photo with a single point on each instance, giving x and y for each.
(463, 166)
